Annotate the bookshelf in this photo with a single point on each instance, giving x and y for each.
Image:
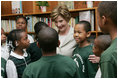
(33, 10)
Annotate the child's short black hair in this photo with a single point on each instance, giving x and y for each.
(104, 41)
(108, 9)
(38, 26)
(48, 39)
(87, 25)
(26, 19)
(13, 36)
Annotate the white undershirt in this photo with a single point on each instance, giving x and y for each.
(4, 51)
(98, 74)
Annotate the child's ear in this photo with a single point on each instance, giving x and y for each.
(88, 34)
(58, 43)
(104, 20)
(38, 45)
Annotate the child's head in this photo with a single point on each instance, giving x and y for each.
(82, 31)
(48, 39)
(17, 39)
(107, 15)
(21, 22)
(38, 26)
(3, 36)
(101, 43)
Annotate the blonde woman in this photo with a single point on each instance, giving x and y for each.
(61, 16)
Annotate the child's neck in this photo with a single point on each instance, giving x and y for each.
(49, 53)
(83, 44)
(113, 33)
(19, 51)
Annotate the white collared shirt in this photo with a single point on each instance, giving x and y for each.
(10, 66)
(4, 51)
(30, 38)
(98, 74)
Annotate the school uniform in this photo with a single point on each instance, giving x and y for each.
(56, 66)
(67, 44)
(86, 68)
(16, 64)
(3, 68)
(34, 51)
(30, 38)
(108, 61)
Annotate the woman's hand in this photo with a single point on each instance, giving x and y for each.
(94, 59)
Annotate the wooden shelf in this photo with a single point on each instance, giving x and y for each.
(99, 31)
(83, 9)
(39, 13)
(93, 31)
(31, 32)
(7, 15)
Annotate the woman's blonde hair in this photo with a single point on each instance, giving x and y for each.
(61, 11)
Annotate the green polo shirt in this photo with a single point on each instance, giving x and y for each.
(86, 68)
(56, 66)
(108, 61)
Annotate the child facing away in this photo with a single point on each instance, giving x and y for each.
(82, 51)
(101, 43)
(21, 23)
(51, 65)
(33, 49)
(107, 20)
(18, 59)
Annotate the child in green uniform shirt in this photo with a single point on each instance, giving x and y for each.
(33, 49)
(107, 20)
(51, 65)
(101, 43)
(82, 51)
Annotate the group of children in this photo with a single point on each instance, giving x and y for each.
(40, 59)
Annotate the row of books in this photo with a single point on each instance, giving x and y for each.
(8, 25)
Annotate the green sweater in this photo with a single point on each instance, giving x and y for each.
(86, 68)
(3, 67)
(20, 64)
(57, 66)
(34, 51)
(108, 61)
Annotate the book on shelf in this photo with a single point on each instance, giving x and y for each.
(16, 7)
(8, 25)
(87, 16)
